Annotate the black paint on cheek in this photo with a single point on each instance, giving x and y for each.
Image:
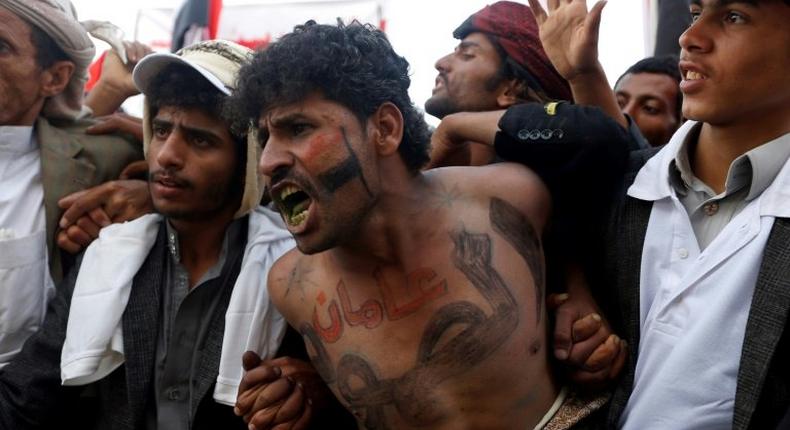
(339, 175)
(344, 172)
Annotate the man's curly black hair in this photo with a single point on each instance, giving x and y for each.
(353, 65)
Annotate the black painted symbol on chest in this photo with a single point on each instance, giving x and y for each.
(411, 394)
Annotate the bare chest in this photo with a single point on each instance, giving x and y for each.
(412, 349)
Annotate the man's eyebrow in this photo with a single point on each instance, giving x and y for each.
(284, 120)
(648, 97)
(189, 130)
(161, 122)
(201, 133)
(467, 44)
(723, 3)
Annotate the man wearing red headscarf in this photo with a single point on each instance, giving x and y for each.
(500, 98)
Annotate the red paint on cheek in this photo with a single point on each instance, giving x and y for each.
(323, 148)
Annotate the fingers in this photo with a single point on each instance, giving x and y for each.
(259, 375)
(563, 332)
(538, 11)
(619, 362)
(137, 169)
(294, 413)
(100, 217)
(590, 379)
(581, 351)
(262, 419)
(69, 200)
(87, 225)
(135, 51)
(105, 125)
(112, 124)
(117, 123)
(586, 327)
(131, 125)
(553, 301)
(605, 373)
(78, 236)
(605, 355)
(592, 22)
(553, 5)
(85, 202)
(292, 366)
(67, 244)
(250, 359)
(304, 421)
(293, 405)
(271, 396)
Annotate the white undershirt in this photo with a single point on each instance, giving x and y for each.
(25, 282)
(21, 194)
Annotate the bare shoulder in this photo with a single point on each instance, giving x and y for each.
(286, 282)
(510, 184)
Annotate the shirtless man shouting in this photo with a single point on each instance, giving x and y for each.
(419, 294)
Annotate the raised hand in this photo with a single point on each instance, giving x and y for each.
(115, 84)
(569, 35)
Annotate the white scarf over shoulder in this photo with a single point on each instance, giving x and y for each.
(94, 335)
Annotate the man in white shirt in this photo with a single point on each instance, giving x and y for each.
(44, 154)
(698, 263)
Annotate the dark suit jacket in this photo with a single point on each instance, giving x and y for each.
(31, 395)
(72, 161)
(763, 389)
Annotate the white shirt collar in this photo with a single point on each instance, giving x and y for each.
(17, 139)
(653, 183)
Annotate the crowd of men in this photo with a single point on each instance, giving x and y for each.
(282, 242)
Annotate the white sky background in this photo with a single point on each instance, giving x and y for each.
(421, 31)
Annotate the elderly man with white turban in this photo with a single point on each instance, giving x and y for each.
(44, 154)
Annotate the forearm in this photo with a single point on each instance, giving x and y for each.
(105, 99)
(450, 143)
(592, 89)
(478, 127)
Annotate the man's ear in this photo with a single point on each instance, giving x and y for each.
(387, 128)
(56, 77)
(510, 93)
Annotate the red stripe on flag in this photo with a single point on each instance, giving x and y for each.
(214, 10)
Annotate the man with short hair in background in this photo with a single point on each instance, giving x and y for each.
(649, 95)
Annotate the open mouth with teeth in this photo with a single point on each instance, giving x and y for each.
(693, 76)
(294, 204)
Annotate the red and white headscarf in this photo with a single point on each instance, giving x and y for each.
(513, 27)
